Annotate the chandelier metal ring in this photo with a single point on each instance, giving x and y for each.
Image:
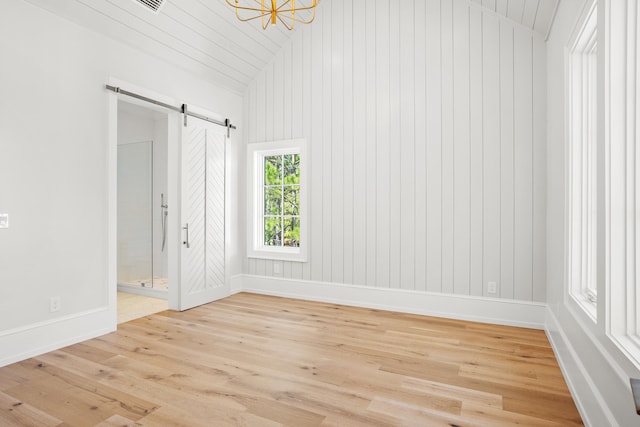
(288, 12)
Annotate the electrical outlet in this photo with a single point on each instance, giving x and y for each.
(492, 287)
(276, 268)
(55, 304)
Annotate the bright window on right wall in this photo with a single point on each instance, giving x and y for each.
(621, 183)
(582, 157)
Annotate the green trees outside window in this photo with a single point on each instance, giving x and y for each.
(281, 192)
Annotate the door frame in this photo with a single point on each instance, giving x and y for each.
(174, 187)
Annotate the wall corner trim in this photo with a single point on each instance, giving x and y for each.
(478, 309)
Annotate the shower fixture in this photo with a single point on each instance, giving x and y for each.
(163, 215)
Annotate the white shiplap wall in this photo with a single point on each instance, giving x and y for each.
(426, 125)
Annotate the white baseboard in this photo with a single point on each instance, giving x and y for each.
(236, 284)
(22, 343)
(586, 394)
(477, 309)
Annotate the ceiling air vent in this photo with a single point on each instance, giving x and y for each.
(151, 4)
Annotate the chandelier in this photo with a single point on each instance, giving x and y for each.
(288, 12)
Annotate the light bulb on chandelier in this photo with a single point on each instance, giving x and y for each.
(288, 12)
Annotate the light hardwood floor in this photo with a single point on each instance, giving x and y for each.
(266, 361)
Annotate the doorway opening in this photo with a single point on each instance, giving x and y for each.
(143, 210)
(182, 158)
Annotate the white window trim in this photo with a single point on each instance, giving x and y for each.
(622, 176)
(580, 223)
(255, 243)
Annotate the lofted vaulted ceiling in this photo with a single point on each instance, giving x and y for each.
(536, 15)
(204, 37)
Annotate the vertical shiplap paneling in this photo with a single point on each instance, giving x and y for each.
(420, 92)
(297, 120)
(539, 169)
(286, 121)
(289, 87)
(304, 103)
(279, 95)
(406, 132)
(506, 161)
(434, 148)
(251, 133)
(395, 151)
(491, 150)
(316, 161)
(360, 146)
(461, 153)
(476, 152)
(327, 95)
(425, 121)
(261, 134)
(348, 141)
(501, 7)
(372, 143)
(489, 4)
(383, 147)
(336, 89)
(523, 165)
(278, 119)
(239, 173)
(274, 116)
(446, 37)
(269, 117)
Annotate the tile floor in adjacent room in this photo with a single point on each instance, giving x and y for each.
(131, 306)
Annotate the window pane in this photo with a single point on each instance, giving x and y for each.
(272, 200)
(292, 231)
(272, 170)
(292, 200)
(272, 231)
(292, 169)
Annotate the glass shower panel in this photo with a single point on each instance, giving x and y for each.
(135, 214)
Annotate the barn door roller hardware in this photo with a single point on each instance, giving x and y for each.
(182, 109)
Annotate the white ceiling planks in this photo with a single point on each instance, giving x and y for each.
(536, 15)
(515, 10)
(546, 15)
(204, 37)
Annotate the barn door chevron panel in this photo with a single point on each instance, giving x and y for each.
(215, 209)
(195, 168)
(203, 277)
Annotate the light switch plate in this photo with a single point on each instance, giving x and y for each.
(4, 220)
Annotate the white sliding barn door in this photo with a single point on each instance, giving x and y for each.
(203, 277)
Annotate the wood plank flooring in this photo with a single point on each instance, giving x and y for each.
(255, 360)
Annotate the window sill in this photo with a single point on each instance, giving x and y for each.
(588, 306)
(629, 346)
(277, 256)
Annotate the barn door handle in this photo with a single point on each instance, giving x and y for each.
(186, 241)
